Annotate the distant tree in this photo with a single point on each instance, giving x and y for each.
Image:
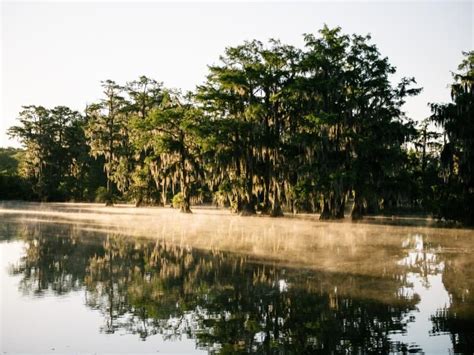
(34, 132)
(419, 174)
(48, 136)
(10, 160)
(71, 152)
(12, 184)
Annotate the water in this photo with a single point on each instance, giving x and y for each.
(83, 278)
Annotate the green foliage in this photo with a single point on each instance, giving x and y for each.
(56, 155)
(102, 195)
(10, 159)
(169, 136)
(13, 186)
(325, 118)
(107, 135)
(178, 200)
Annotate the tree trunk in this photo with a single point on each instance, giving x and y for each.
(341, 207)
(139, 202)
(236, 204)
(164, 188)
(266, 196)
(248, 207)
(358, 208)
(325, 213)
(276, 207)
(373, 204)
(266, 186)
(108, 198)
(185, 206)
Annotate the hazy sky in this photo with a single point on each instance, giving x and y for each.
(56, 53)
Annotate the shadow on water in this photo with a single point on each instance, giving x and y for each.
(352, 291)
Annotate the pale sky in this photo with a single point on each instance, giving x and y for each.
(56, 53)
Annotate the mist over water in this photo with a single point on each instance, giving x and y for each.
(154, 279)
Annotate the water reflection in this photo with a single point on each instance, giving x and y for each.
(236, 302)
(458, 318)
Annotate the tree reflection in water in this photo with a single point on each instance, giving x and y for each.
(227, 302)
(458, 318)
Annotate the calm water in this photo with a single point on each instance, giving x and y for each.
(72, 282)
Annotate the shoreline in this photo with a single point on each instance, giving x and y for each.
(401, 220)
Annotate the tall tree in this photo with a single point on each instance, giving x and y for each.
(324, 84)
(457, 156)
(245, 96)
(169, 133)
(144, 95)
(378, 126)
(108, 137)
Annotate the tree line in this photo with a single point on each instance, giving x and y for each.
(273, 129)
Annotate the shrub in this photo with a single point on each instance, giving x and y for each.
(102, 196)
(178, 200)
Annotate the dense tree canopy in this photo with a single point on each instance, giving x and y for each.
(272, 129)
(56, 160)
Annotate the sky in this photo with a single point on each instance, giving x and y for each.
(56, 53)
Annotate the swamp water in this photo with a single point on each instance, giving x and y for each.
(83, 278)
